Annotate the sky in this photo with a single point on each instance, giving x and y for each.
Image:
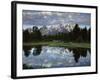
(31, 17)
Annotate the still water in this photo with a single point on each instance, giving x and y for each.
(35, 57)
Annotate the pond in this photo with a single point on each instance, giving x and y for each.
(37, 57)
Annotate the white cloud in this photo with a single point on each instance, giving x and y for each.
(45, 16)
(53, 21)
(70, 17)
(59, 14)
(46, 13)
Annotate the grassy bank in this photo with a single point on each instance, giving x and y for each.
(60, 44)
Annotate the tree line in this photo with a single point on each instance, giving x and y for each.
(76, 35)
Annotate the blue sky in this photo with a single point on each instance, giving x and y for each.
(31, 17)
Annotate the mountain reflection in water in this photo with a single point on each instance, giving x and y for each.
(35, 57)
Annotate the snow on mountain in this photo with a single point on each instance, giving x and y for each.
(54, 29)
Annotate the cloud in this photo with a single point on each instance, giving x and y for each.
(31, 17)
(45, 13)
(59, 14)
(45, 16)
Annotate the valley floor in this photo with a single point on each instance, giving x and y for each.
(60, 44)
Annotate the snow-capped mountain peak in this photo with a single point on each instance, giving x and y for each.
(54, 29)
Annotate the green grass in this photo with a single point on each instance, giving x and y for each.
(60, 44)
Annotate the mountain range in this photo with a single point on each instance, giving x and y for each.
(54, 29)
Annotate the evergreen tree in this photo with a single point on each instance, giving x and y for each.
(26, 36)
(75, 32)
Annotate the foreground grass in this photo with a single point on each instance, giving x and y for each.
(60, 44)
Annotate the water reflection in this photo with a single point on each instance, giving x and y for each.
(77, 52)
(27, 50)
(45, 57)
(37, 50)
